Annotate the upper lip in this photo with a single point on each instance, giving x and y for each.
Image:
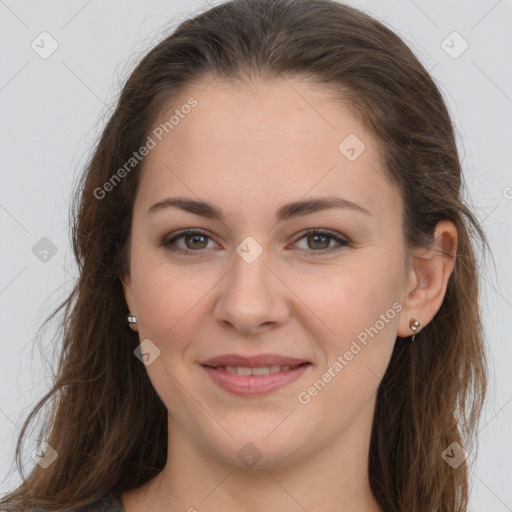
(256, 361)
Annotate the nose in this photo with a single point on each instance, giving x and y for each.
(252, 298)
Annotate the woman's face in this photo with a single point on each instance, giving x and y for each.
(256, 280)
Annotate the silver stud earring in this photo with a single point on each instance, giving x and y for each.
(415, 327)
(132, 319)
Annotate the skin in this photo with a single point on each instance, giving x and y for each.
(249, 150)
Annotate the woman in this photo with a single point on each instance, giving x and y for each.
(277, 306)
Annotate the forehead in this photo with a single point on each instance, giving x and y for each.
(285, 138)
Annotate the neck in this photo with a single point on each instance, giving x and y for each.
(333, 478)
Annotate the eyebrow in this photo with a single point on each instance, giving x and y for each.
(287, 211)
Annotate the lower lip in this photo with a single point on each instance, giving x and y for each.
(252, 385)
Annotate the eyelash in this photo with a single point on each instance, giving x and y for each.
(167, 243)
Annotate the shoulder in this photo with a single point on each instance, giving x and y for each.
(109, 502)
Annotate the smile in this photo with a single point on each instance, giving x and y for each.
(246, 381)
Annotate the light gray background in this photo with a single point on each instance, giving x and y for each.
(52, 110)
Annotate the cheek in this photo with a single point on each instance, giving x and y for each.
(356, 311)
(345, 300)
(355, 358)
(171, 313)
(167, 298)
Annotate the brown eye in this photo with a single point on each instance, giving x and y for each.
(320, 241)
(193, 242)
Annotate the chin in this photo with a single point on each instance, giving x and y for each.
(258, 452)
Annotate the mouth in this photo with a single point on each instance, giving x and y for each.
(260, 370)
(255, 381)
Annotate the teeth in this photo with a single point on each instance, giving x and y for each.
(263, 370)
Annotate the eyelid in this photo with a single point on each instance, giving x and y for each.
(340, 239)
(323, 231)
(168, 240)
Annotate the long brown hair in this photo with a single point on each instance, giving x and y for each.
(106, 422)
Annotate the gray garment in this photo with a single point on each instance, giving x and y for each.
(109, 502)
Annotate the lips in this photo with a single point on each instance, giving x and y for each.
(254, 375)
(257, 361)
(254, 385)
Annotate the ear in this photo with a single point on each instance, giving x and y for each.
(429, 271)
(126, 280)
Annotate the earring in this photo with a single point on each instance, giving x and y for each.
(415, 327)
(132, 319)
